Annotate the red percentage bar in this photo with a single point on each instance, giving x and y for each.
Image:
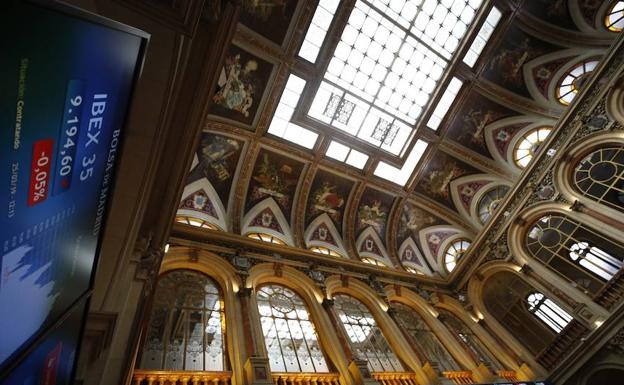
(40, 171)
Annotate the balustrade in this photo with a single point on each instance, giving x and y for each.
(459, 376)
(395, 378)
(306, 378)
(167, 377)
(507, 375)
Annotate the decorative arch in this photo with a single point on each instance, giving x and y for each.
(265, 273)
(378, 308)
(476, 286)
(207, 206)
(430, 315)
(370, 245)
(410, 256)
(495, 351)
(565, 168)
(435, 240)
(215, 267)
(467, 192)
(519, 231)
(266, 217)
(322, 232)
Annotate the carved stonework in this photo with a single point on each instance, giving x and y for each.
(149, 258)
(616, 343)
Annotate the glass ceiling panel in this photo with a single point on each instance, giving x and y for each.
(391, 56)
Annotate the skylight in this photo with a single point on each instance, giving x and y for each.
(401, 176)
(482, 38)
(318, 29)
(281, 125)
(390, 58)
(346, 154)
(444, 104)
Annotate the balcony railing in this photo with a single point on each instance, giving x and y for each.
(459, 377)
(507, 375)
(563, 344)
(305, 378)
(395, 378)
(167, 377)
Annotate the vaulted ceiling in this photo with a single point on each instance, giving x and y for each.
(248, 181)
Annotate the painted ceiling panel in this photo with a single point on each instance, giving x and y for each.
(329, 194)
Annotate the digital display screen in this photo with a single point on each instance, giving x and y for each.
(52, 361)
(65, 86)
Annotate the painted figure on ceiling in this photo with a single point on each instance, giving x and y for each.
(236, 85)
(373, 215)
(325, 199)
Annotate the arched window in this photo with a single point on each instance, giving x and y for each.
(372, 261)
(614, 19)
(505, 296)
(195, 222)
(454, 253)
(289, 334)
(574, 251)
(469, 340)
(423, 339)
(490, 201)
(365, 337)
(186, 324)
(265, 238)
(600, 176)
(325, 251)
(548, 312)
(595, 260)
(527, 146)
(572, 82)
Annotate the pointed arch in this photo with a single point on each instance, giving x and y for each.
(216, 216)
(410, 255)
(369, 244)
(502, 137)
(277, 225)
(313, 236)
(468, 190)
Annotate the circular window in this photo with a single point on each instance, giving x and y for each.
(614, 19)
(325, 251)
(572, 82)
(490, 201)
(265, 238)
(527, 146)
(454, 253)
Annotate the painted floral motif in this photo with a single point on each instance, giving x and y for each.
(503, 135)
(370, 246)
(543, 73)
(373, 215)
(274, 180)
(326, 200)
(435, 240)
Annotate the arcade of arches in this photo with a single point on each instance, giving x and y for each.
(402, 192)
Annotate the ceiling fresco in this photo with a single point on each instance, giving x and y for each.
(247, 180)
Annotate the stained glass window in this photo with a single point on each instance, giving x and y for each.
(600, 176)
(573, 81)
(454, 253)
(366, 339)
(265, 238)
(527, 146)
(289, 334)
(424, 340)
(548, 312)
(469, 340)
(574, 251)
(614, 20)
(490, 201)
(186, 324)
